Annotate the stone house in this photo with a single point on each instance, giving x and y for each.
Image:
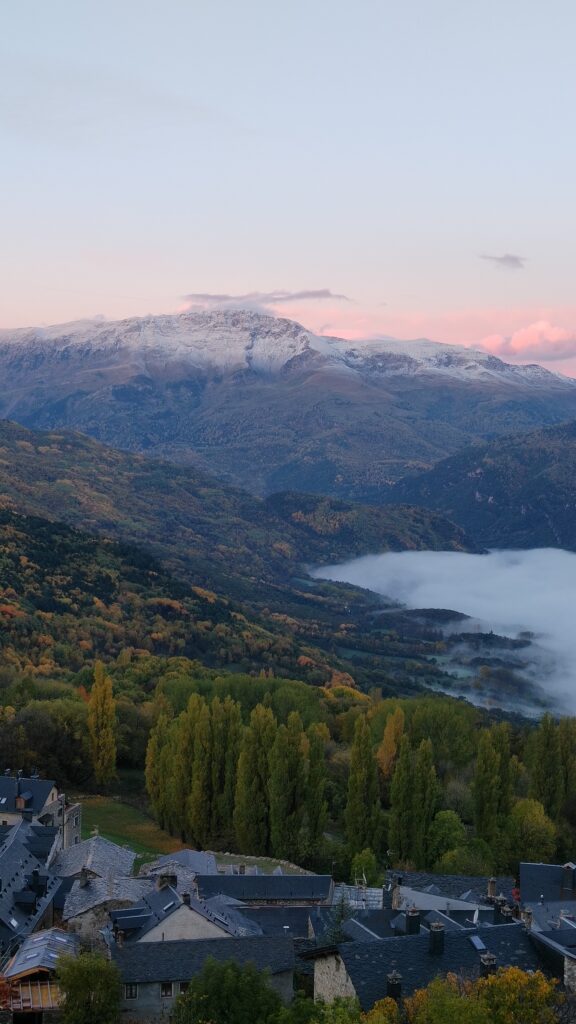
(154, 974)
(39, 800)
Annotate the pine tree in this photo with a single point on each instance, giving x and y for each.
(102, 727)
(363, 811)
(486, 789)
(287, 789)
(200, 800)
(547, 781)
(252, 802)
(402, 807)
(426, 796)
(316, 807)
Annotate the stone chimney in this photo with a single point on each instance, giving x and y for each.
(487, 964)
(499, 904)
(394, 985)
(527, 918)
(491, 888)
(436, 944)
(413, 921)
(84, 878)
(506, 915)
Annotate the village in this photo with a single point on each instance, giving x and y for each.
(61, 894)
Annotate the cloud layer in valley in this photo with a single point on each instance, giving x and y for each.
(507, 591)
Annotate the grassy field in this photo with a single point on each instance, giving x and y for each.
(126, 825)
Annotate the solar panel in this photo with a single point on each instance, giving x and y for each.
(477, 942)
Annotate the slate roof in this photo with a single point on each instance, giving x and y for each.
(97, 855)
(41, 951)
(290, 921)
(159, 904)
(471, 888)
(548, 882)
(38, 839)
(368, 963)
(27, 887)
(252, 888)
(146, 962)
(35, 791)
(554, 914)
(193, 860)
(98, 891)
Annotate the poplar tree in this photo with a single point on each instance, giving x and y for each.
(402, 808)
(252, 802)
(102, 727)
(547, 783)
(388, 749)
(181, 764)
(155, 783)
(287, 789)
(316, 807)
(500, 735)
(486, 789)
(200, 800)
(226, 736)
(426, 796)
(363, 813)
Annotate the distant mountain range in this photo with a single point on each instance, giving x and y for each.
(517, 492)
(265, 404)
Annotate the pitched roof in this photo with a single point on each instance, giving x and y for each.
(97, 855)
(546, 882)
(470, 888)
(193, 860)
(99, 891)
(41, 950)
(35, 792)
(251, 888)
(159, 904)
(292, 921)
(179, 961)
(369, 963)
(27, 888)
(38, 839)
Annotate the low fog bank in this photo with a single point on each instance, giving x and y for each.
(505, 591)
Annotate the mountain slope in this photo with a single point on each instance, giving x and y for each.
(216, 535)
(518, 492)
(267, 405)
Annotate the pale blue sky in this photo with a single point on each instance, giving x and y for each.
(155, 149)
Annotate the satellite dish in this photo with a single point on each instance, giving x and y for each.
(475, 917)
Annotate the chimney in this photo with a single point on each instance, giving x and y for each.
(394, 985)
(436, 945)
(186, 898)
(487, 964)
(241, 869)
(84, 878)
(506, 915)
(527, 918)
(413, 921)
(491, 888)
(499, 903)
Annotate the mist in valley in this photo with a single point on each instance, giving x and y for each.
(507, 592)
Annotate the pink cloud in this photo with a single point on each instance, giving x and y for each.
(540, 340)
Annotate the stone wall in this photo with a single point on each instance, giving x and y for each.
(331, 980)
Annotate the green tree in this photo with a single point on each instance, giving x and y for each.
(547, 781)
(486, 789)
(500, 735)
(316, 806)
(92, 989)
(287, 789)
(102, 727)
(363, 810)
(471, 858)
(388, 749)
(426, 795)
(252, 803)
(155, 782)
(364, 868)
(446, 832)
(226, 719)
(402, 809)
(532, 834)
(200, 800)
(228, 993)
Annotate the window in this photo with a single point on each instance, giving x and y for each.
(76, 840)
(131, 991)
(184, 986)
(75, 821)
(166, 989)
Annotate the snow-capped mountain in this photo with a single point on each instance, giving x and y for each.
(229, 341)
(267, 404)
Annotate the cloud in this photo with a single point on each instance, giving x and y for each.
(507, 591)
(540, 340)
(509, 261)
(263, 300)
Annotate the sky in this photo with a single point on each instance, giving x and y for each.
(372, 168)
(506, 591)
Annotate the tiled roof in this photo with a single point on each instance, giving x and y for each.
(97, 855)
(250, 888)
(368, 963)
(35, 791)
(194, 860)
(179, 961)
(98, 891)
(470, 888)
(42, 949)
